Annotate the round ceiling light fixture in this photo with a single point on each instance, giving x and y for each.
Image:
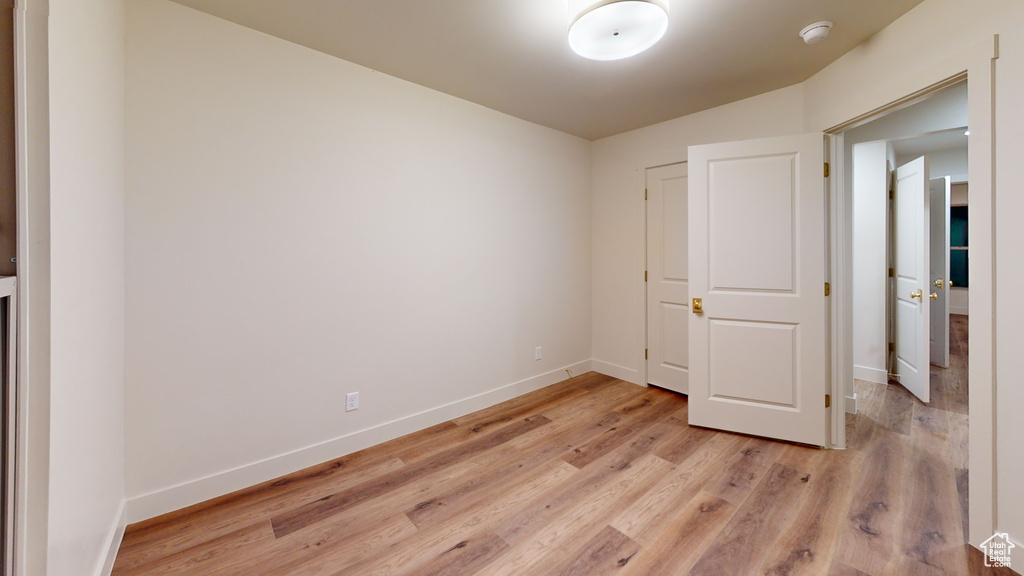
(615, 29)
(816, 32)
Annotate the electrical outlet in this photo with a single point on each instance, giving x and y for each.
(351, 401)
(538, 353)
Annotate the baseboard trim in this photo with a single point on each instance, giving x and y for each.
(870, 374)
(851, 404)
(958, 310)
(114, 542)
(616, 371)
(186, 494)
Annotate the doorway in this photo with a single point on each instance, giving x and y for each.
(977, 62)
(892, 308)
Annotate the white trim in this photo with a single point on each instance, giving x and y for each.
(106, 566)
(32, 135)
(173, 498)
(982, 385)
(840, 265)
(615, 371)
(851, 404)
(870, 374)
(960, 311)
(9, 289)
(652, 160)
(641, 350)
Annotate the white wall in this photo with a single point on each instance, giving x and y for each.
(942, 163)
(86, 45)
(619, 325)
(299, 227)
(870, 204)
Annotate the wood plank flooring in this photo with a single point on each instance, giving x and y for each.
(596, 476)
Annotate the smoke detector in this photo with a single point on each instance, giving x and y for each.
(816, 32)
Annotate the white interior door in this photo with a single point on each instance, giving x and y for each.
(939, 250)
(668, 306)
(758, 350)
(912, 277)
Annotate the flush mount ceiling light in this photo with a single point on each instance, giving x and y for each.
(615, 29)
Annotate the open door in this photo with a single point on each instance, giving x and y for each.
(911, 238)
(758, 333)
(668, 303)
(939, 249)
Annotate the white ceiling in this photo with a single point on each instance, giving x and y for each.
(512, 55)
(944, 141)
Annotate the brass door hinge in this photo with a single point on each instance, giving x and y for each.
(828, 400)
(645, 193)
(892, 346)
(826, 170)
(828, 289)
(645, 353)
(645, 275)
(892, 272)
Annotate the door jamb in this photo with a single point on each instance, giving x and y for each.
(645, 343)
(653, 160)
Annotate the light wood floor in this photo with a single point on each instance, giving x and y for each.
(596, 476)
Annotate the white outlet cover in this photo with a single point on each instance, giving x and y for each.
(351, 401)
(538, 353)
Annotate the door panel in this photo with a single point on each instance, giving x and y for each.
(668, 307)
(912, 272)
(939, 249)
(757, 260)
(752, 237)
(768, 382)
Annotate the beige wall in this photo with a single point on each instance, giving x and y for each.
(299, 227)
(86, 51)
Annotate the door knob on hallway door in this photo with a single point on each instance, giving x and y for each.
(939, 283)
(697, 306)
(934, 296)
(919, 295)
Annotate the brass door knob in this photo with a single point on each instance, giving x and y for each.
(934, 296)
(697, 306)
(917, 295)
(939, 283)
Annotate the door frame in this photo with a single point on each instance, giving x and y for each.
(32, 151)
(976, 64)
(644, 371)
(651, 160)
